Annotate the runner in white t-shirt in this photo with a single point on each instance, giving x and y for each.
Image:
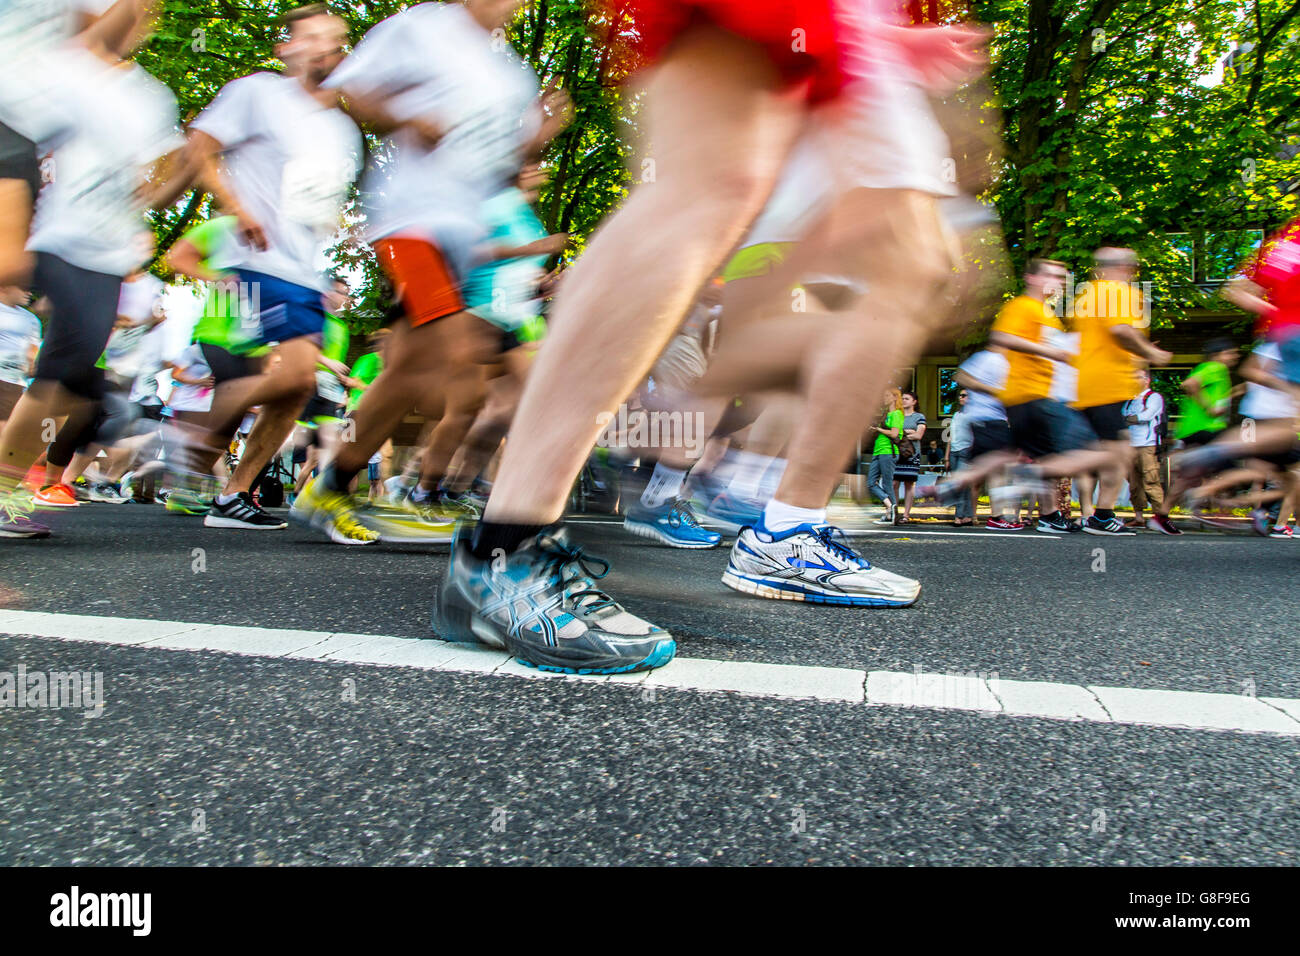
(88, 232)
(280, 156)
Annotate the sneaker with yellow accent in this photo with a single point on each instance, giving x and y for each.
(56, 496)
(16, 517)
(409, 525)
(331, 512)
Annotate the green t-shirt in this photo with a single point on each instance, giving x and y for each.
(885, 446)
(220, 321)
(1216, 392)
(366, 369)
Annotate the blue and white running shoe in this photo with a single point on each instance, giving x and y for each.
(674, 524)
(731, 512)
(812, 563)
(542, 605)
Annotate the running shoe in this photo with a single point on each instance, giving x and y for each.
(407, 524)
(331, 512)
(1002, 523)
(1162, 524)
(106, 493)
(730, 512)
(1112, 527)
(242, 513)
(56, 496)
(16, 518)
(888, 516)
(1261, 522)
(1055, 523)
(1281, 531)
(185, 502)
(458, 507)
(1074, 526)
(674, 524)
(812, 563)
(541, 604)
(81, 490)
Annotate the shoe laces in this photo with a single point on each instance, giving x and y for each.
(837, 543)
(683, 513)
(572, 569)
(16, 508)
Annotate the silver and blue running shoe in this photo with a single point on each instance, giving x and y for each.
(674, 524)
(541, 604)
(731, 513)
(813, 563)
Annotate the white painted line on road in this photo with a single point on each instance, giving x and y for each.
(1169, 708)
(985, 694)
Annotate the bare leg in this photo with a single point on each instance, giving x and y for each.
(294, 381)
(720, 134)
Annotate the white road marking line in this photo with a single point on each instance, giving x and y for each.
(969, 691)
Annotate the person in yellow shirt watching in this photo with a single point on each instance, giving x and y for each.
(1111, 320)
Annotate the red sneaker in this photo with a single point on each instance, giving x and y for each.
(1001, 524)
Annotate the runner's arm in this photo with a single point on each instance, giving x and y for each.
(1131, 340)
(1017, 344)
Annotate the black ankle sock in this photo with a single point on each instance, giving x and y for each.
(335, 479)
(1054, 516)
(489, 537)
(1104, 514)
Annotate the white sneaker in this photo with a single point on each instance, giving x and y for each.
(814, 564)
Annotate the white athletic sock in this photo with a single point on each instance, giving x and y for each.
(664, 485)
(771, 479)
(226, 499)
(749, 474)
(779, 516)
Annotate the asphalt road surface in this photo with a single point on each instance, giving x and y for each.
(226, 758)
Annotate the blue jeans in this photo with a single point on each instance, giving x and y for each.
(960, 459)
(880, 477)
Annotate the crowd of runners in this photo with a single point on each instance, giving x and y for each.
(722, 342)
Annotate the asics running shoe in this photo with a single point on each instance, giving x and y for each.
(331, 512)
(813, 563)
(674, 524)
(541, 604)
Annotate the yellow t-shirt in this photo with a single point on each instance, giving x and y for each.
(1106, 369)
(1029, 377)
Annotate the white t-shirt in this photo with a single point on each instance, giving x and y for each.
(291, 161)
(139, 299)
(191, 398)
(434, 60)
(989, 369)
(1261, 402)
(1148, 408)
(90, 214)
(33, 84)
(19, 331)
(145, 387)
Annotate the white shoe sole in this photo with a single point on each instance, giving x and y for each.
(654, 534)
(748, 586)
(216, 521)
